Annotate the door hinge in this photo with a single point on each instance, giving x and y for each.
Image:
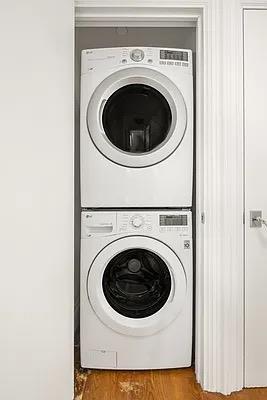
(203, 218)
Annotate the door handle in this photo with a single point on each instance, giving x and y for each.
(262, 221)
(256, 220)
(101, 108)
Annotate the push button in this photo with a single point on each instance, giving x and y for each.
(187, 244)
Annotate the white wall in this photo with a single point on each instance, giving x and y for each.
(86, 38)
(36, 156)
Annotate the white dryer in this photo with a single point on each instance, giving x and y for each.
(136, 289)
(136, 127)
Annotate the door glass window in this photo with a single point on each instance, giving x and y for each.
(137, 118)
(136, 283)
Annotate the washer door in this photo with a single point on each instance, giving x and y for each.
(136, 117)
(136, 285)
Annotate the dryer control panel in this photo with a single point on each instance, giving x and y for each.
(95, 223)
(95, 59)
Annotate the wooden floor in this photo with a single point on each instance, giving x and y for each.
(175, 384)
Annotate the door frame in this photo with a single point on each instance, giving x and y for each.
(219, 166)
(247, 5)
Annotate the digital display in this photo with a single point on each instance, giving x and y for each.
(173, 220)
(173, 55)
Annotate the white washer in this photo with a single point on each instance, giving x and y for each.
(136, 289)
(136, 127)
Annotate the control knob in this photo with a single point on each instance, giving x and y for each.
(137, 221)
(137, 55)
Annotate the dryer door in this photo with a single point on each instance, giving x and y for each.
(137, 117)
(137, 285)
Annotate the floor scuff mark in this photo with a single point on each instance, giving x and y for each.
(80, 377)
(128, 387)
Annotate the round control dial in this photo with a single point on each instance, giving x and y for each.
(137, 55)
(137, 221)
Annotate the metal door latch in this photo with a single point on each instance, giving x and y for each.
(256, 220)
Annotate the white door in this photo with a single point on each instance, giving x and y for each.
(137, 285)
(145, 108)
(36, 235)
(255, 92)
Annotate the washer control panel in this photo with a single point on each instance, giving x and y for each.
(154, 222)
(151, 223)
(135, 221)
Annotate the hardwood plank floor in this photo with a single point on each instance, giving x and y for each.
(175, 384)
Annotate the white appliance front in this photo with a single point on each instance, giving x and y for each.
(136, 128)
(136, 289)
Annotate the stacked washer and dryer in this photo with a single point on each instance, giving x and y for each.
(136, 135)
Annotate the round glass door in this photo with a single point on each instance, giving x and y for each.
(136, 117)
(136, 283)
